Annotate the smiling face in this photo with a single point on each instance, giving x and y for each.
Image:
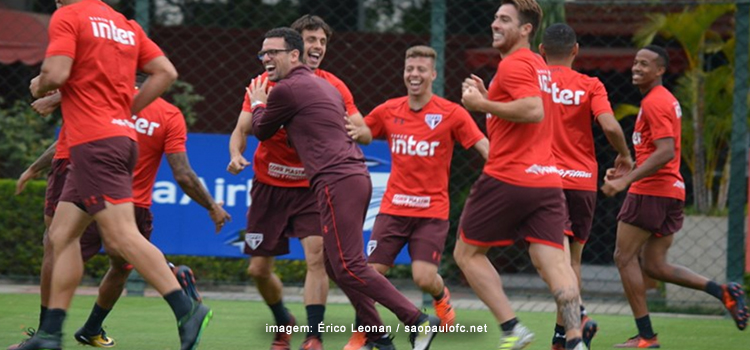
(647, 70)
(507, 30)
(419, 73)
(316, 42)
(277, 59)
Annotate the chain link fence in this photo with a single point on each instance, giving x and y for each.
(213, 44)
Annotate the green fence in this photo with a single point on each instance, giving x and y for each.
(213, 44)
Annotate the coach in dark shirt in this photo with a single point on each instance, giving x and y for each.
(312, 112)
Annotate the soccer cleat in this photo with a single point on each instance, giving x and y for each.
(640, 343)
(281, 339)
(357, 341)
(421, 340)
(734, 301)
(581, 346)
(444, 309)
(516, 339)
(99, 340)
(192, 325)
(311, 343)
(42, 341)
(186, 278)
(558, 346)
(589, 327)
(385, 343)
(29, 333)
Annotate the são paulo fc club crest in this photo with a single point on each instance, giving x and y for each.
(371, 245)
(253, 240)
(433, 120)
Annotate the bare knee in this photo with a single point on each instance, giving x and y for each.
(260, 268)
(424, 281)
(622, 259)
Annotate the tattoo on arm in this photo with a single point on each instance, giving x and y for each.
(188, 180)
(45, 160)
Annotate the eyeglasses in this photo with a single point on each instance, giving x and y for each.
(271, 53)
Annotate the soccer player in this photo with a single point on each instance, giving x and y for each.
(578, 102)
(421, 129)
(161, 130)
(283, 205)
(312, 112)
(519, 194)
(92, 58)
(653, 209)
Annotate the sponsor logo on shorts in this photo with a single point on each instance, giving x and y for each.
(537, 169)
(371, 245)
(411, 201)
(579, 174)
(679, 184)
(286, 172)
(433, 120)
(253, 240)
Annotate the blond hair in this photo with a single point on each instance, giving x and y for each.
(422, 51)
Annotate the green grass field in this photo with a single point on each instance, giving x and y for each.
(147, 323)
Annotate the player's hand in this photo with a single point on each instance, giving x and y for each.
(475, 82)
(47, 104)
(623, 165)
(353, 130)
(471, 99)
(219, 216)
(27, 176)
(237, 164)
(258, 90)
(613, 186)
(34, 87)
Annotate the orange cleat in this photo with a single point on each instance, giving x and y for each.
(640, 343)
(444, 309)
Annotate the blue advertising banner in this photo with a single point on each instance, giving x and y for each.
(182, 227)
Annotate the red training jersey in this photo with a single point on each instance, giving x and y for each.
(275, 162)
(421, 151)
(106, 49)
(577, 99)
(521, 153)
(660, 117)
(161, 130)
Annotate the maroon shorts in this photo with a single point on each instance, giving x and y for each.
(101, 170)
(426, 238)
(498, 213)
(661, 216)
(91, 241)
(55, 183)
(277, 213)
(580, 207)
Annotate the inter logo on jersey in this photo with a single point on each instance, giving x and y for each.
(106, 29)
(253, 240)
(433, 120)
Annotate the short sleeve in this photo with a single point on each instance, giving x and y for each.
(465, 130)
(147, 49)
(246, 103)
(519, 79)
(661, 116)
(599, 99)
(374, 121)
(63, 34)
(176, 136)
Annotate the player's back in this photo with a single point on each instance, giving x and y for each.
(576, 101)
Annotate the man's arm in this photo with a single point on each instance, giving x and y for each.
(483, 147)
(267, 120)
(55, 72)
(238, 143)
(615, 136)
(358, 130)
(662, 155)
(161, 75)
(35, 169)
(47, 104)
(523, 110)
(189, 182)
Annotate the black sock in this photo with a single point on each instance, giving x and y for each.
(96, 318)
(571, 344)
(180, 303)
(508, 326)
(644, 327)
(42, 314)
(714, 289)
(280, 313)
(559, 337)
(357, 321)
(385, 340)
(583, 311)
(439, 296)
(53, 321)
(314, 317)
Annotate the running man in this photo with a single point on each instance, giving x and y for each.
(312, 112)
(421, 129)
(519, 194)
(578, 102)
(283, 205)
(653, 209)
(92, 58)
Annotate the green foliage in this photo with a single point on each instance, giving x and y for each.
(21, 228)
(182, 95)
(24, 135)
